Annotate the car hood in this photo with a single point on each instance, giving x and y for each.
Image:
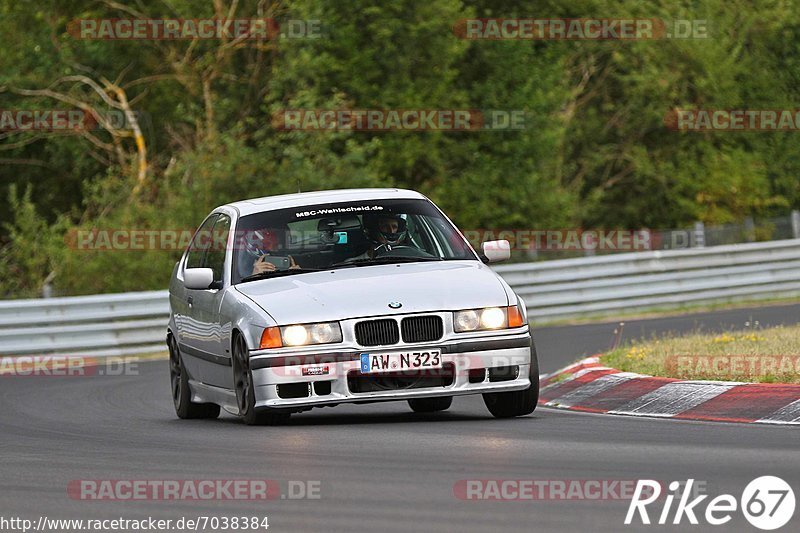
(367, 291)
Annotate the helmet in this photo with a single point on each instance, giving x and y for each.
(375, 228)
(255, 243)
(258, 242)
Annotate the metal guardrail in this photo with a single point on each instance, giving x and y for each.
(120, 324)
(100, 325)
(572, 288)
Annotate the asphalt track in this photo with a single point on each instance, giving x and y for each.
(379, 467)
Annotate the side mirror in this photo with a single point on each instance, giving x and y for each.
(198, 279)
(495, 251)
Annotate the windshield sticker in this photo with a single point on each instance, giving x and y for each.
(337, 210)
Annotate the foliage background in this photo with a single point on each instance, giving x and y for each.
(595, 153)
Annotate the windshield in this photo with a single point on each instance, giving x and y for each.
(343, 235)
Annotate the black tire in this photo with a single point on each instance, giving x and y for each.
(430, 405)
(245, 393)
(181, 395)
(516, 403)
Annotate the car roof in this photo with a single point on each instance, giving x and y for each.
(270, 203)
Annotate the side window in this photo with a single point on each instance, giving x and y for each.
(215, 257)
(200, 243)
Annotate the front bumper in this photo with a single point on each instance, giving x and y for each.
(273, 374)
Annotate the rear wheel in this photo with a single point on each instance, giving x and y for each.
(245, 390)
(181, 395)
(516, 403)
(430, 405)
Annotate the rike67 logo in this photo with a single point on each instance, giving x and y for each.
(767, 503)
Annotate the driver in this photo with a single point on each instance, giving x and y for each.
(383, 231)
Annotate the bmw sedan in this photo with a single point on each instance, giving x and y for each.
(285, 303)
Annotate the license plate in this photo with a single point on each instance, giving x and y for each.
(376, 363)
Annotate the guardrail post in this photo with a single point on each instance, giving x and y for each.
(699, 235)
(749, 229)
(796, 224)
(47, 286)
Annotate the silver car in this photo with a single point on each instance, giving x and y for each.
(285, 303)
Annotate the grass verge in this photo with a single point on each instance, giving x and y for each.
(769, 355)
(665, 311)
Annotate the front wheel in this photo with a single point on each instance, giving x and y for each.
(430, 405)
(181, 395)
(245, 393)
(516, 403)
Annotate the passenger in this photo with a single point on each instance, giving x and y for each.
(261, 250)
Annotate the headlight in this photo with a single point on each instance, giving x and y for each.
(301, 335)
(295, 335)
(487, 319)
(466, 320)
(493, 318)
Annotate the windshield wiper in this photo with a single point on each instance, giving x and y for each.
(385, 261)
(278, 273)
